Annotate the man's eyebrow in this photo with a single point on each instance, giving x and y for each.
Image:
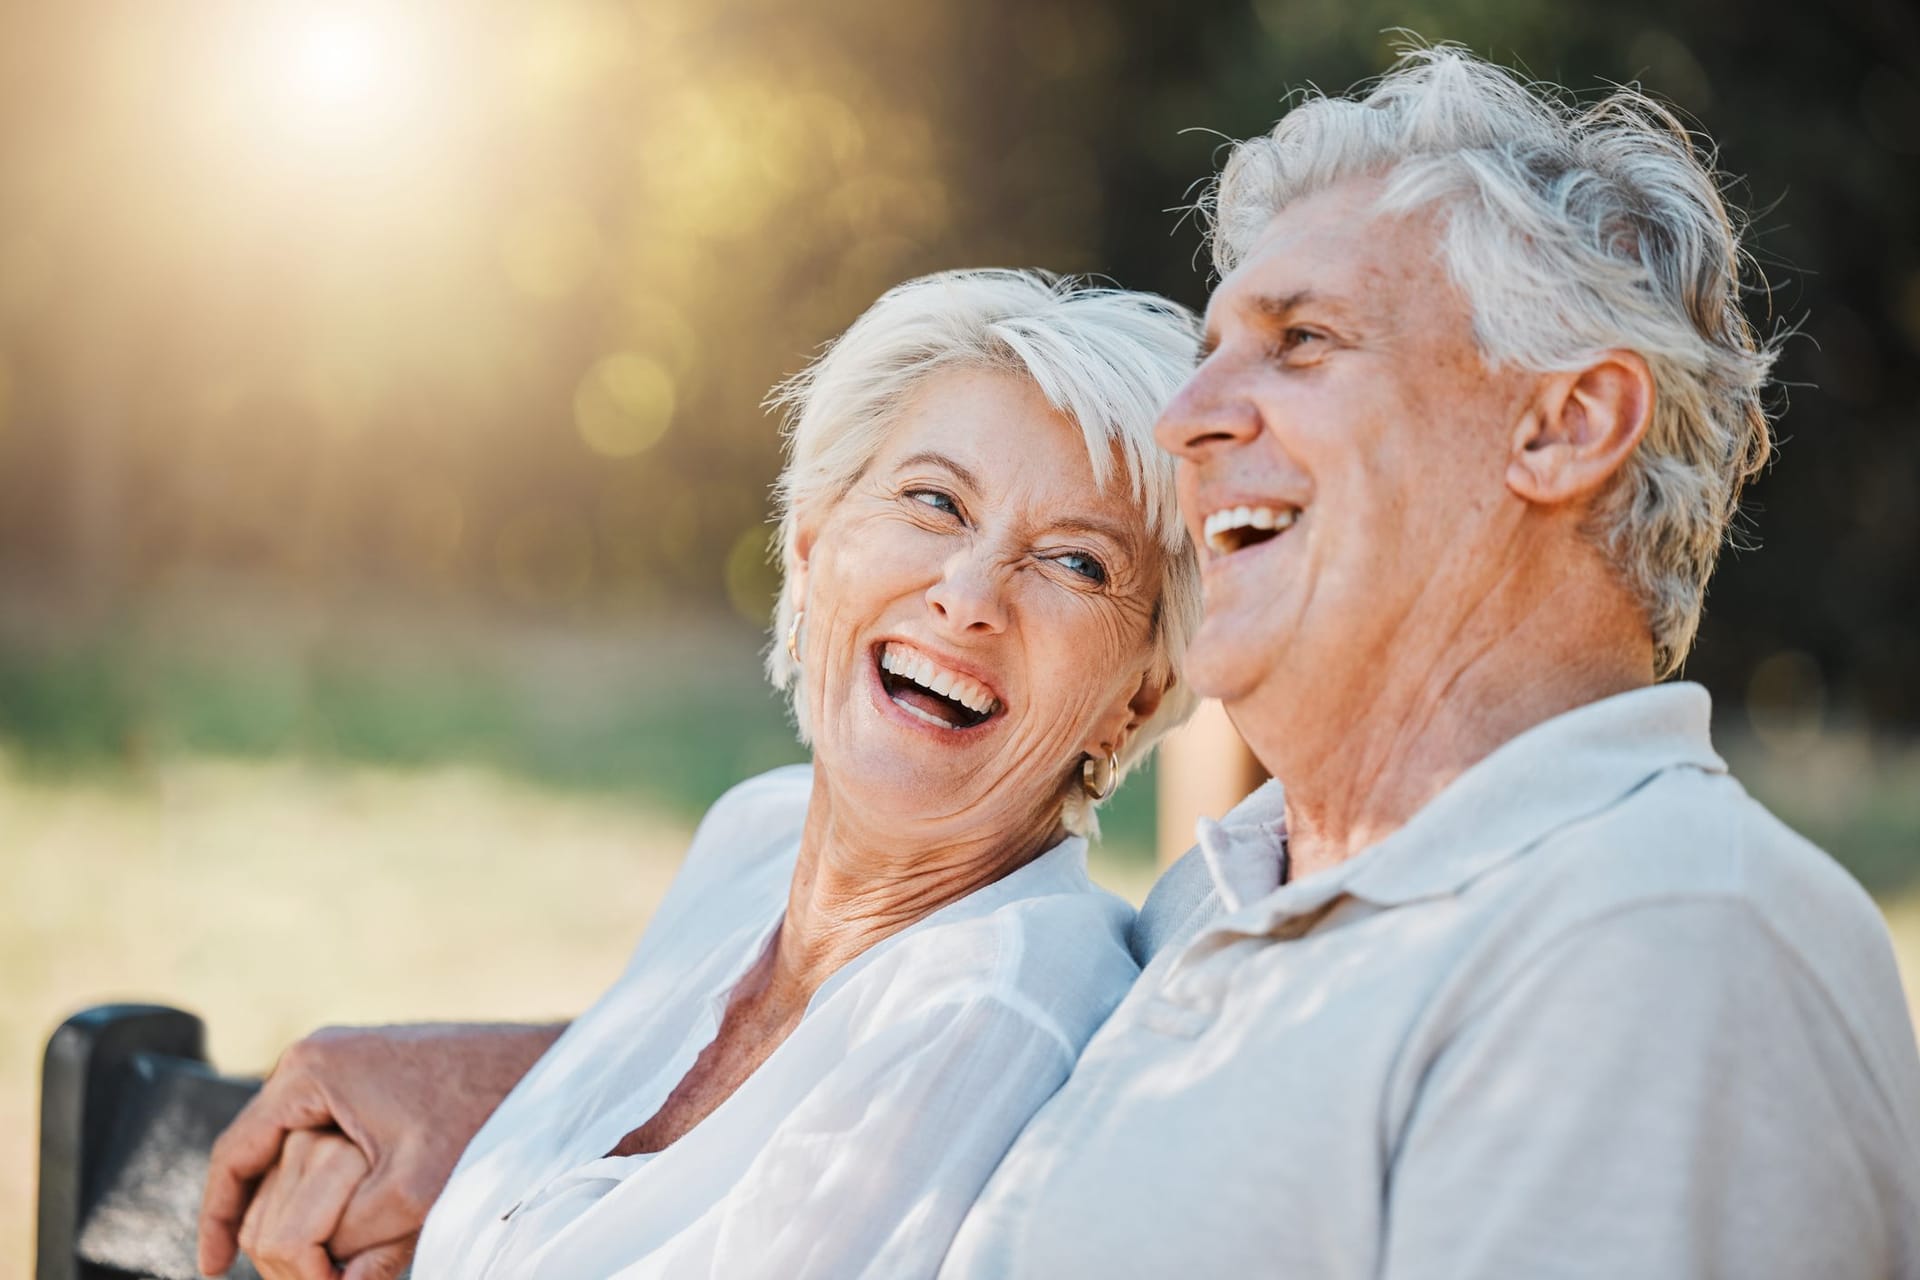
(1279, 306)
(929, 456)
(1271, 308)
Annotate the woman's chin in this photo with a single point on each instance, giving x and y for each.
(909, 782)
(888, 752)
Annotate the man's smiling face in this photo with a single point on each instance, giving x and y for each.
(1342, 454)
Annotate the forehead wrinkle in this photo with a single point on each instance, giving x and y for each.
(1341, 250)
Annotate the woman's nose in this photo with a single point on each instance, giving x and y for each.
(970, 594)
(1209, 413)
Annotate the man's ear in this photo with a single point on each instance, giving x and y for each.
(1580, 429)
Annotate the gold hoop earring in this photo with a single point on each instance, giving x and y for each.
(1098, 777)
(793, 636)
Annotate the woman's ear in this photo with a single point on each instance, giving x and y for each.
(1154, 687)
(1138, 709)
(1580, 429)
(801, 534)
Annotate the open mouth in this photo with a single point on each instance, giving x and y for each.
(1237, 528)
(926, 690)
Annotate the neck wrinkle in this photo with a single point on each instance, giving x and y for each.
(852, 890)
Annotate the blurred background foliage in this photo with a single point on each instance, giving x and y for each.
(461, 311)
(383, 477)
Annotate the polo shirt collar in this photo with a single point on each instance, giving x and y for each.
(1246, 851)
(1556, 773)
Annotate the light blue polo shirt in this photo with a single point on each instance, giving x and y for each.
(1592, 1012)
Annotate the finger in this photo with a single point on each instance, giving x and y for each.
(383, 1263)
(268, 1206)
(248, 1148)
(304, 1207)
(310, 1262)
(296, 1151)
(308, 1210)
(384, 1208)
(258, 1211)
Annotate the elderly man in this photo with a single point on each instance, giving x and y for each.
(1512, 979)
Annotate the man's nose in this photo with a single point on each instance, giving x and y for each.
(970, 594)
(1209, 413)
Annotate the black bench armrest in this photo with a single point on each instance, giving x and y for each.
(128, 1111)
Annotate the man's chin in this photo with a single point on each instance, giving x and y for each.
(1223, 664)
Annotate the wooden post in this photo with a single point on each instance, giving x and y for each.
(1204, 769)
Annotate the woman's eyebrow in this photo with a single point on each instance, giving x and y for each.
(925, 456)
(1118, 534)
(1111, 530)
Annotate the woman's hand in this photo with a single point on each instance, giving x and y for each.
(298, 1207)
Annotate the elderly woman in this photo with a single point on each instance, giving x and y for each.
(871, 971)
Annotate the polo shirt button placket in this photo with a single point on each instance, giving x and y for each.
(1189, 999)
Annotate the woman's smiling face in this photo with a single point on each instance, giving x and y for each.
(979, 614)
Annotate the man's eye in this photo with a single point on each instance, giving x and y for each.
(1083, 564)
(1295, 340)
(937, 500)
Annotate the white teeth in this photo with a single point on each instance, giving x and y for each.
(916, 712)
(917, 667)
(1221, 523)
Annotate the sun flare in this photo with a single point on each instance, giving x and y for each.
(338, 72)
(337, 60)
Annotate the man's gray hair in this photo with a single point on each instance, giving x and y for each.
(1108, 359)
(1571, 231)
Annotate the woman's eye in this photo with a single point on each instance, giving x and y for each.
(939, 501)
(1083, 564)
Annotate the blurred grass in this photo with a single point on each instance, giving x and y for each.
(279, 824)
(623, 712)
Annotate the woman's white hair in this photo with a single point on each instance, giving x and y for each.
(1571, 231)
(1107, 358)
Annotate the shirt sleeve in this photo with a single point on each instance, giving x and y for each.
(1666, 1092)
(872, 1173)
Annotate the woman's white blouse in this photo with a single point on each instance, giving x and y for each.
(857, 1147)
